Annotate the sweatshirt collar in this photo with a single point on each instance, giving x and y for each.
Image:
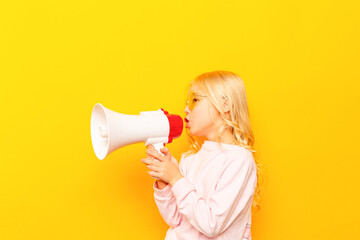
(215, 146)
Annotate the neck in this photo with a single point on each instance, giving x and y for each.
(225, 137)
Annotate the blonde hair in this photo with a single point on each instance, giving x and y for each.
(220, 85)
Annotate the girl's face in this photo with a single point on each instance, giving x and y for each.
(203, 118)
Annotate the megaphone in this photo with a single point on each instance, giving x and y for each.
(111, 130)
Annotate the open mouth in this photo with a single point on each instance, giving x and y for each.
(187, 123)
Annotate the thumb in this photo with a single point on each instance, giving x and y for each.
(166, 152)
(150, 146)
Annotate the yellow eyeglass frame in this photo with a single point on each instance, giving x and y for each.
(190, 102)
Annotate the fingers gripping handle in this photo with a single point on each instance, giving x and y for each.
(157, 147)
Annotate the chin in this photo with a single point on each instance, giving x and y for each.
(192, 132)
(195, 133)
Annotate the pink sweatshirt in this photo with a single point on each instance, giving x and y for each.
(213, 200)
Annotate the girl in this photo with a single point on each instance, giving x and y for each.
(209, 195)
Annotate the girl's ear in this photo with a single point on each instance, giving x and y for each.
(226, 105)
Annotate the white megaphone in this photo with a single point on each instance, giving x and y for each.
(111, 130)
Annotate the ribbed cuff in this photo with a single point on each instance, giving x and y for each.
(166, 191)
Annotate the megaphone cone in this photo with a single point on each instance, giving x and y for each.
(111, 130)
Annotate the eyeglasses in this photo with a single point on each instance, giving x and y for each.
(193, 99)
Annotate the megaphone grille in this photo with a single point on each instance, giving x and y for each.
(99, 132)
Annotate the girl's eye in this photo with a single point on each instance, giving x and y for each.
(195, 100)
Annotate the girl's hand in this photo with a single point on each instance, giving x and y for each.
(165, 169)
(160, 183)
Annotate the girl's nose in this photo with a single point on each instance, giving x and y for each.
(187, 110)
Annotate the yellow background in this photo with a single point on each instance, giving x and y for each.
(300, 64)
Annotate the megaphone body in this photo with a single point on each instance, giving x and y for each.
(111, 130)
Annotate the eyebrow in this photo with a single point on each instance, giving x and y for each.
(195, 92)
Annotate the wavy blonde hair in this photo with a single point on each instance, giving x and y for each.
(220, 85)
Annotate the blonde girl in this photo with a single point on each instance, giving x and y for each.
(210, 194)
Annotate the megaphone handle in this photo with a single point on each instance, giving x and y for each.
(158, 146)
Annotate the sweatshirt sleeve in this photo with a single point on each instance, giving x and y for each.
(166, 202)
(233, 192)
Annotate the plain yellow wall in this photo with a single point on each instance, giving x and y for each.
(300, 64)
